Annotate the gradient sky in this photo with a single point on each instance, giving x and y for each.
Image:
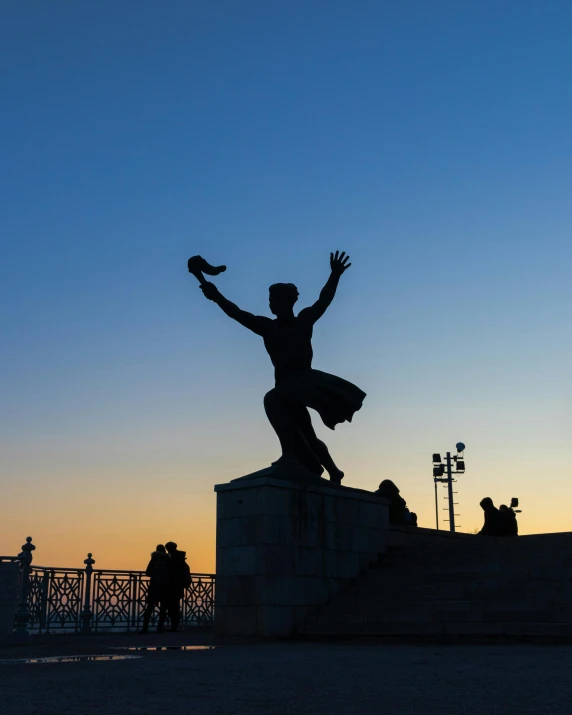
(430, 140)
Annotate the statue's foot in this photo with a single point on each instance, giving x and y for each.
(286, 460)
(336, 476)
(291, 469)
(293, 461)
(289, 462)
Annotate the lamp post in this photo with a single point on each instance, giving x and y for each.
(439, 470)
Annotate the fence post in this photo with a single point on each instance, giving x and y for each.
(135, 586)
(22, 615)
(43, 617)
(86, 613)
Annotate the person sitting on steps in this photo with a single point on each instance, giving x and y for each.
(508, 525)
(491, 525)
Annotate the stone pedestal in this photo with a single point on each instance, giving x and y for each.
(285, 546)
(9, 573)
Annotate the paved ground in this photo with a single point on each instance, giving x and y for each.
(310, 678)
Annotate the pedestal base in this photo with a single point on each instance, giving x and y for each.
(9, 574)
(285, 545)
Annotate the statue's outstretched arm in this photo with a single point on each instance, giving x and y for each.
(338, 264)
(258, 324)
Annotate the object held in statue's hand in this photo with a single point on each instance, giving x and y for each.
(197, 266)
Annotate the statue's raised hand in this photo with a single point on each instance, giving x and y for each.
(209, 290)
(339, 263)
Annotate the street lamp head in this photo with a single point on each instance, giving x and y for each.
(460, 447)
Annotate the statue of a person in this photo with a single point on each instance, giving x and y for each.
(288, 341)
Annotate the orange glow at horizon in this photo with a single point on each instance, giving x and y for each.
(121, 526)
(118, 538)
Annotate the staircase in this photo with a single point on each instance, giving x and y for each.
(432, 583)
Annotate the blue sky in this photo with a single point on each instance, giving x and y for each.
(430, 140)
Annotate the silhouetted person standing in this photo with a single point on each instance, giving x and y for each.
(491, 525)
(158, 589)
(288, 341)
(179, 579)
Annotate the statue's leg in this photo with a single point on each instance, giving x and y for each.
(306, 455)
(283, 414)
(318, 447)
(279, 413)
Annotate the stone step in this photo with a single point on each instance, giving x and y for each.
(382, 576)
(382, 582)
(485, 592)
(374, 588)
(528, 569)
(368, 595)
(480, 587)
(483, 545)
(452, 612)
(525, 558)
(479, 629)
(477, 543)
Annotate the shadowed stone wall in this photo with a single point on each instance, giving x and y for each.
(433, 583)
(283, 547)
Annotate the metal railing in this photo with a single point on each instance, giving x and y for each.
(92, 600)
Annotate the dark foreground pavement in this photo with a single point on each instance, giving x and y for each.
(309, 678)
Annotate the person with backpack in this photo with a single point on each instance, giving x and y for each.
(179, 580)
(158, 588)
(508, 525)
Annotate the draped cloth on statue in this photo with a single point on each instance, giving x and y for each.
(334, 399)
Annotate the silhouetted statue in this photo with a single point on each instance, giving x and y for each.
(179, 579)
(158, 589)
(410, 518)
(508, 525)
(491, 525)
(399, 514)
(288, 341)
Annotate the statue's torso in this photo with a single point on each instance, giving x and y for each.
(289, 344)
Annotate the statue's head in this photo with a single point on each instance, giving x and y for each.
(282, 298)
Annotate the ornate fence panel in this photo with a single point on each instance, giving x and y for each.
(38, 599)
(116, 600)
(198, 601)
(55, 599)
